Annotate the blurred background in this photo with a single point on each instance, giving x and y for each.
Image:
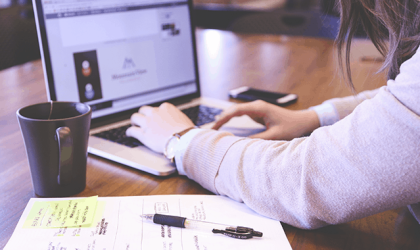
(317, 18)
(18, 38)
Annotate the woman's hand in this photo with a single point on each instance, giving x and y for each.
(281, 123)
(154, 126)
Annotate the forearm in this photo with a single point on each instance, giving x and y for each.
(339, 173)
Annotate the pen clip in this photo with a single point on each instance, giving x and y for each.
(238, 232)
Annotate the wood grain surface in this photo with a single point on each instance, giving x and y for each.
(304, 66)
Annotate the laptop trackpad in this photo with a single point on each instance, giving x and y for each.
(242, 126)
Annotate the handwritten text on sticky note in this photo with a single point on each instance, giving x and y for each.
(61, 213)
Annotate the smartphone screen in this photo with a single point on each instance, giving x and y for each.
(251, 94)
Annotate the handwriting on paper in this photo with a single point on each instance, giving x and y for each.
(62, 213)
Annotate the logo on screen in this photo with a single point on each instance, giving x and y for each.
(128, 63)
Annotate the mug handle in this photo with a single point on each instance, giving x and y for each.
(65, 155)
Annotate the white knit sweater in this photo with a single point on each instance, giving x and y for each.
(365, 163)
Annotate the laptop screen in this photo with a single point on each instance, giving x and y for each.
(117, 55)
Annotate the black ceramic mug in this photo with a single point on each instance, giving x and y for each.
(56, 140)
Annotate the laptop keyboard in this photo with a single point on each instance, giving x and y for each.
(199, 115)
(118, 135)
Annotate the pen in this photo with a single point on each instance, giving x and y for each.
(182, 222)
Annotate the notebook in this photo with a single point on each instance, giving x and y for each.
(118, 55)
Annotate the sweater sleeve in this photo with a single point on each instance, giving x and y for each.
(333, 110)
(363, 164)
(352, 169)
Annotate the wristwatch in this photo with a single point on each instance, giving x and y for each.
(171, 145)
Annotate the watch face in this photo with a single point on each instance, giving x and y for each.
(171, 146)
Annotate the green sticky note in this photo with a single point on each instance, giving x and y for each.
(100, 208)
(62, 213)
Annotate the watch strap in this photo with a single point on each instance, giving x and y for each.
(178, 136)
(183, 132)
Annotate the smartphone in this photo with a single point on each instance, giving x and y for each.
(251, 94)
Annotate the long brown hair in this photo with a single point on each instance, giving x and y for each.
(401, 18)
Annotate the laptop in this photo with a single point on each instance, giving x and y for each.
(118, 55)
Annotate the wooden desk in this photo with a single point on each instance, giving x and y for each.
(305, 66)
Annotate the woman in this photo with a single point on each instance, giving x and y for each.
(361, 158)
